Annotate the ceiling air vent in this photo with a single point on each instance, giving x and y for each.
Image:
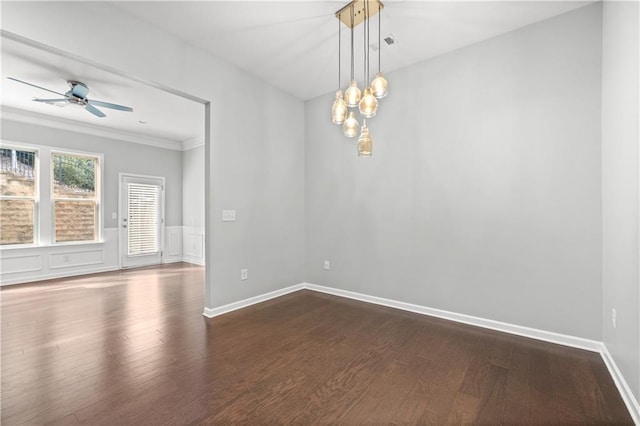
(390, 39)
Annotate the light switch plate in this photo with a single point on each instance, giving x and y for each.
(114, 215)
(228, 215)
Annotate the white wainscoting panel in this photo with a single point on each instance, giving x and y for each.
(71, 259)
(27, 264)
(193, 245)
(17, 264)
(172, 251)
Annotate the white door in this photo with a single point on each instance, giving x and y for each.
(141, 220)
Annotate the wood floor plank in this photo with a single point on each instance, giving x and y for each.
(464, 410)
(132, 347)
(518, 390)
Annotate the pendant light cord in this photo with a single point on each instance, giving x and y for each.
(339, 53)
(352, 68)
(364, 38)
(379, 41)
(368, 39)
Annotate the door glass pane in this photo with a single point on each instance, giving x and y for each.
(16, 221)
(142, 219)
(75, 221)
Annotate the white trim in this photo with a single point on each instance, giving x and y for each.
(64, 274)
(66, 253)
(24, 256)
(533, 333)
(165, 261)
(625, 391)
(192, 260)
(192, 143)
(99, 200)
(214, 312)
(34, 118)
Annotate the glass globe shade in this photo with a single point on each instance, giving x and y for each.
(379, 86)
(352, 94)
(368, 104)
(351, 126)
(339, 109)
(365, 143)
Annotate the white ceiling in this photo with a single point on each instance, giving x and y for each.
(294, 44)
(171, 120)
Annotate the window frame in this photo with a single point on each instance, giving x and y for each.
(44, 214)
(36, 196)
(97, 189)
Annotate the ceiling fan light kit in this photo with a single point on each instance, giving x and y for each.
(77, 95)
(352, 15)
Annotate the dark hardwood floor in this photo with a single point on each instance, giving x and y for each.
(133, 347)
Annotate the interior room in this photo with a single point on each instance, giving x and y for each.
(323, 212)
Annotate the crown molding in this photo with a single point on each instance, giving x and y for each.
(192, 143)
(30, 117)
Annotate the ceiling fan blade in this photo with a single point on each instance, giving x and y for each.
(109, 105)
(95, 111)
(39, 87)
(50, 101)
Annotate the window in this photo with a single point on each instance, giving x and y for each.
(75, 197)
(18, 195)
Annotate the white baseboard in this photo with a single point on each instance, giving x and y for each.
(166, 261)
(214, 312)
(533, 333)
(625, 391)
(189, 259)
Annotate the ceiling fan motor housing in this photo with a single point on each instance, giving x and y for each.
(78, 93)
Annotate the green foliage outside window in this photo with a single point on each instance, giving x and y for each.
(74, 172)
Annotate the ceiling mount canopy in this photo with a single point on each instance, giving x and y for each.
(362, 10)
(366, 101)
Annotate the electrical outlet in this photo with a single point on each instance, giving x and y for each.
(614, 315)
(327, 265)
(244, 274)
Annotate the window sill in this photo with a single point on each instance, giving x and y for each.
(48, 246)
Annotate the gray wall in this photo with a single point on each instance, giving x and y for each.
(620, 188)
(119, 156)
(483, 194)
(193, 187)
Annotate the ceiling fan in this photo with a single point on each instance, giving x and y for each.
(77, 95)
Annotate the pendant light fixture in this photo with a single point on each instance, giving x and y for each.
(352, 15)
(365, 143)
(339, 109)
(379, 85)
(368, 105)
(351, 126)
(352, 94)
